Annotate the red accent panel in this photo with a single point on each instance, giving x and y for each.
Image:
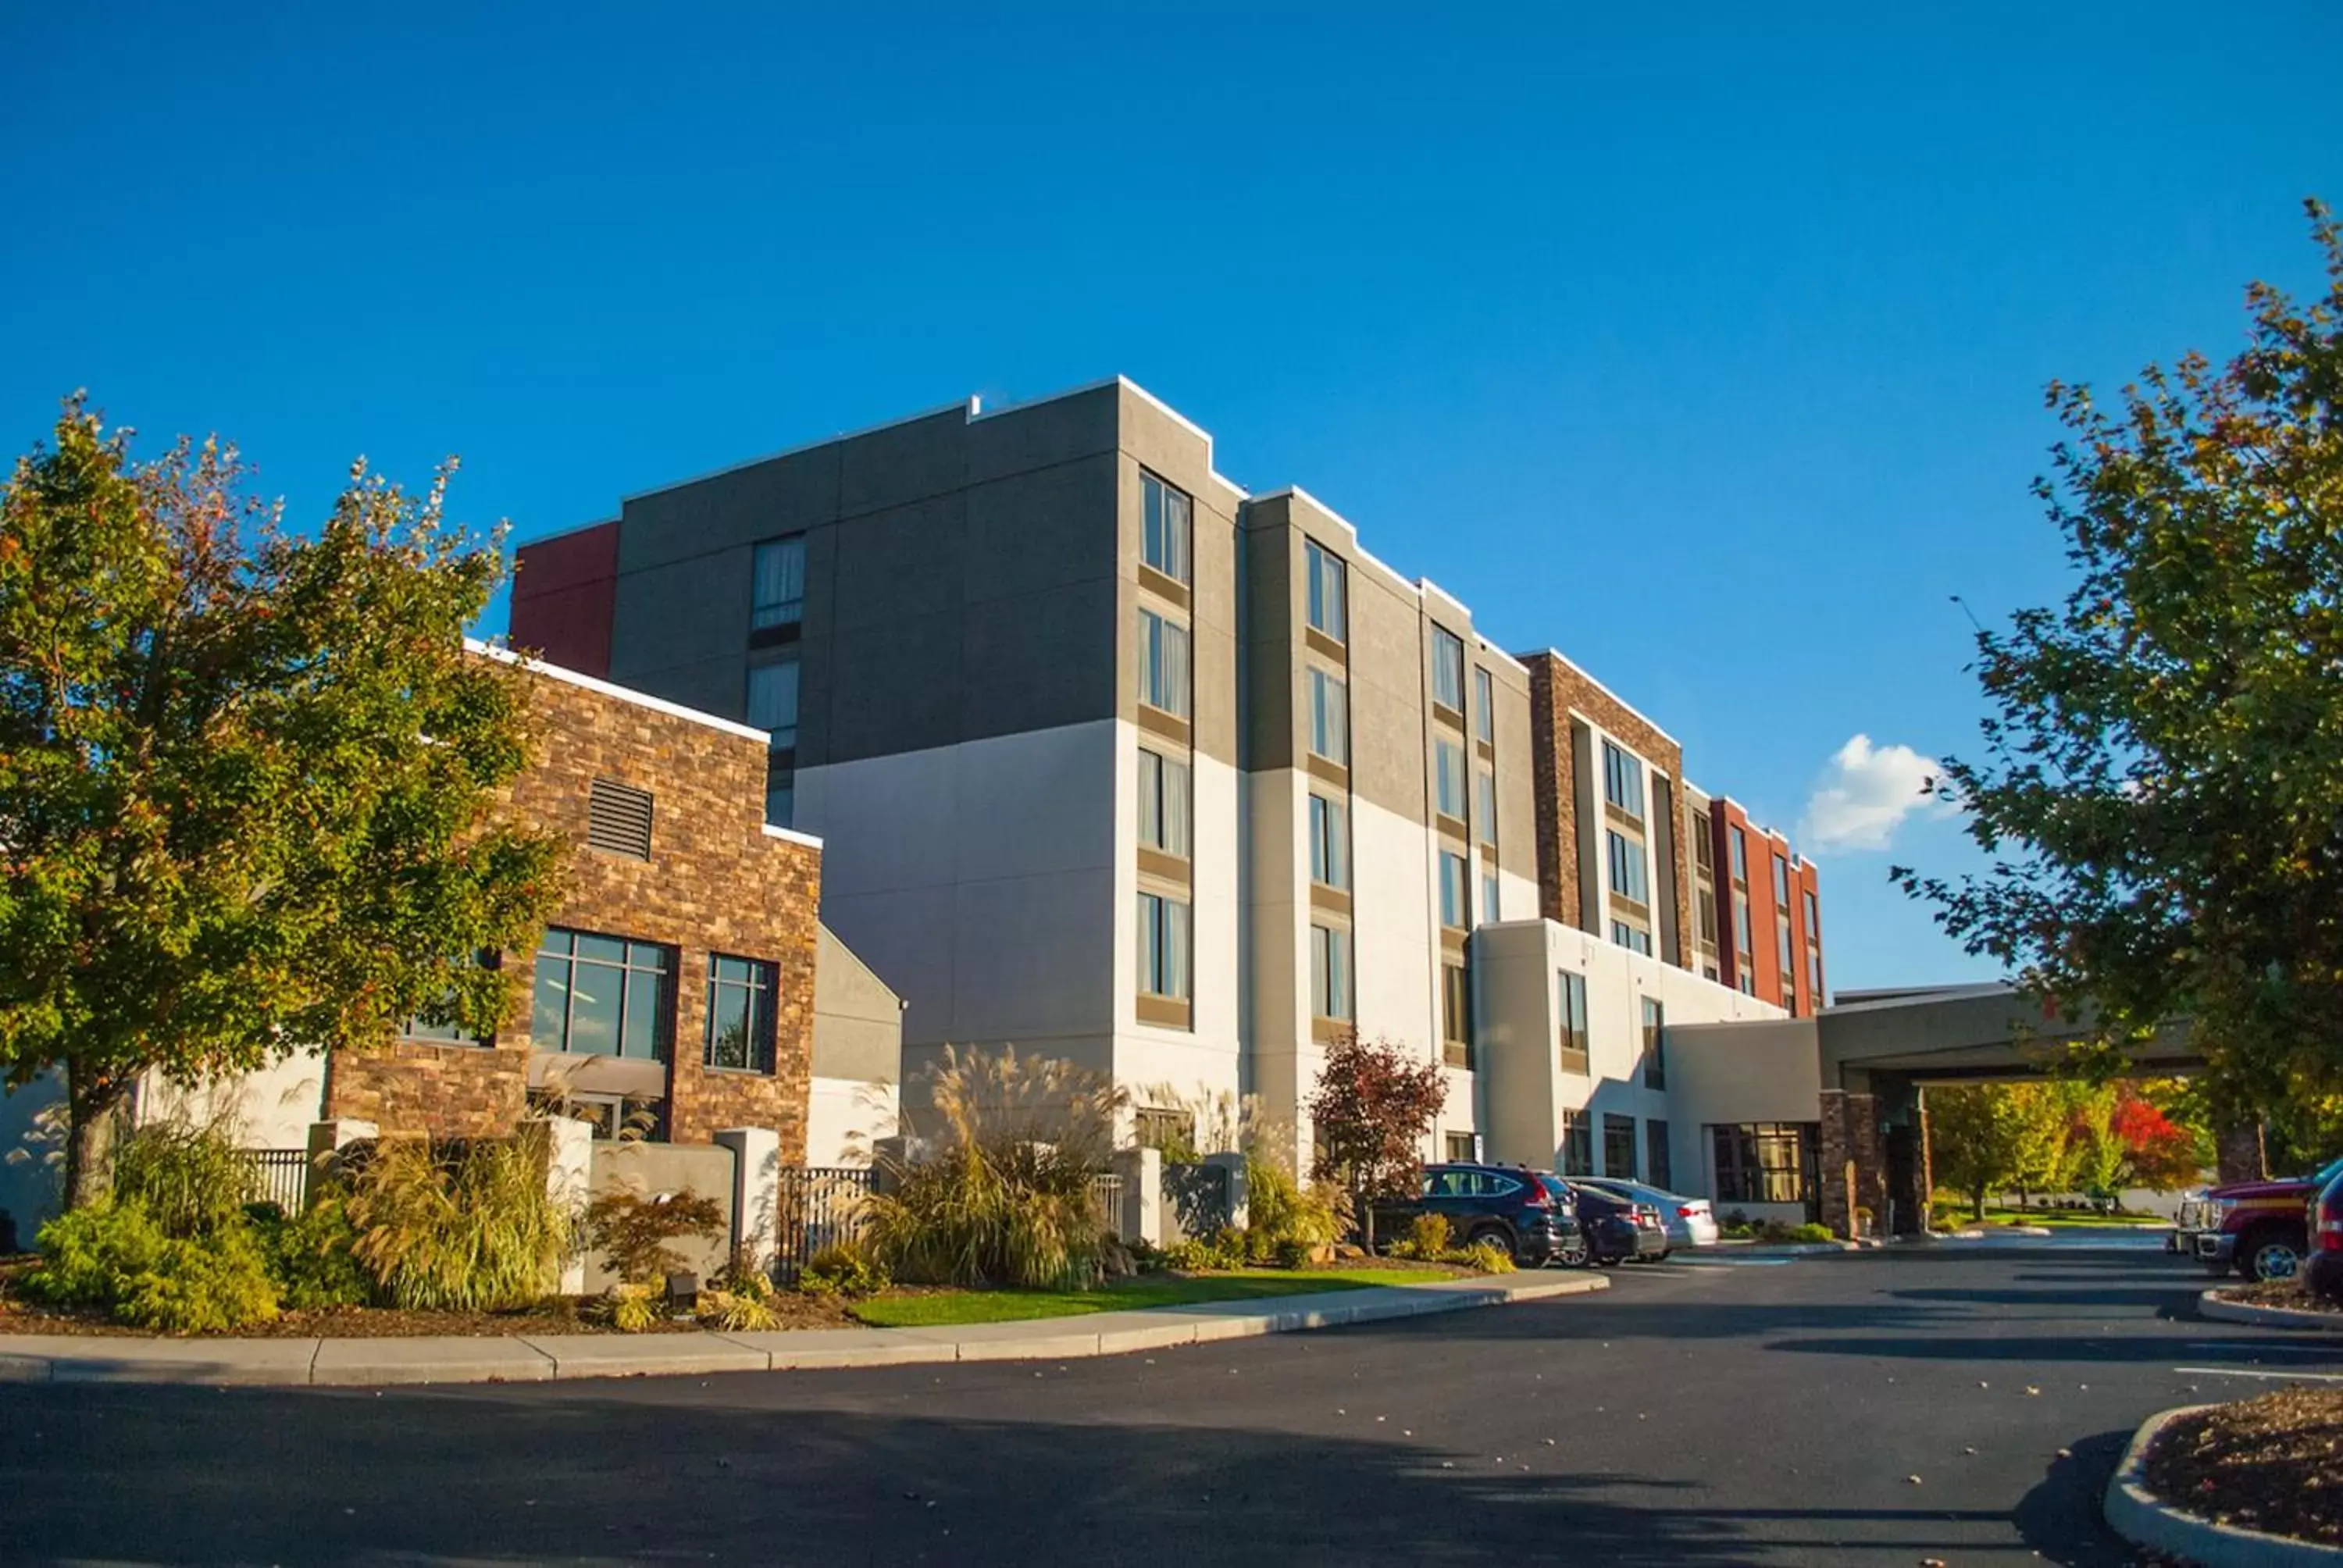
(564, 596)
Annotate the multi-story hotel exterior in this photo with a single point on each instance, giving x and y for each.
(1115, 762)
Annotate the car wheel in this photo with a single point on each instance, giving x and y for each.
(1496, 1236)
(1573, 1256)
(2270, 1255)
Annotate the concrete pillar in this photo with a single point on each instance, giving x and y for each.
(331, 1137)
(756, 1191)
(1240, 1196)
(569, 1175)
(1142, 1171)
(2243, 1156)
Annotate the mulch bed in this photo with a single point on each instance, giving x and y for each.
(2292, 1294)
(560, 1315)
(2273, 1464)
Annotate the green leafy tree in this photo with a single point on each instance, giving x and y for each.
(1374, 1107)
(2161, 788)
(248, 777)
(2099, 1157)
(1972, 1145)
(2040, 1116)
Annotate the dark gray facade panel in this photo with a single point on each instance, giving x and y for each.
(1037, 661)
(1045, 434)
(758, 501)
(1042, 529)
(903, 463)
(902, 563)
(1272, 651)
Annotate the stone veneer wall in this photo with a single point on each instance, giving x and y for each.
(716, 882)
(1854, 1163)
(1556, 689)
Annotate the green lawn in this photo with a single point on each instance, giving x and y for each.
(1995, 1215)
(930, 1309)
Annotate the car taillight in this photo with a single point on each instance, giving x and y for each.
(2330, 1235)
(1539, 1197)
(1686, 1211)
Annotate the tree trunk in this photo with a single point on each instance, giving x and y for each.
(93, 1104)
(1976, 1205)
(1366, 1212)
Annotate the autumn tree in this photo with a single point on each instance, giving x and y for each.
(246, 774)
(1374, 1106)
(2160, 788)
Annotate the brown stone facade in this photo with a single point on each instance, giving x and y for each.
(1854, 1159)
(716, 881)
(1557, 690)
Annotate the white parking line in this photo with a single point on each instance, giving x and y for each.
(2239, 1371)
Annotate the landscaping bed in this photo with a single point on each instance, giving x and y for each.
(911, 1307)
(2291, 1295)
(2273, 1464)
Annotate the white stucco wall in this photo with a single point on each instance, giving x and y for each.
(845, 1117)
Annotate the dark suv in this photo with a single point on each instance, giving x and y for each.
(1506, 1204)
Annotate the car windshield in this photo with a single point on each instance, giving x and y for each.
(2334, 1169)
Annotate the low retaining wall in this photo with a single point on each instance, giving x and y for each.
(2142, 1518)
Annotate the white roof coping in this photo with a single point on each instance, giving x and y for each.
(622, 693)
(792, 836)
(1557, 655)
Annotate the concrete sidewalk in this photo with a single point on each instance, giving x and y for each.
(366, 1362)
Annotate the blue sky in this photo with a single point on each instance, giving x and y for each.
(1705, 345)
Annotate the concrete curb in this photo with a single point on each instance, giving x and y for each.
(2136, 1514)
(376, 1363)
(2210, 1305)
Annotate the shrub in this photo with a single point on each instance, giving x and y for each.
(1004, 1199)
(1485, 1257)
(459, 1227)
(1282, 1210)
(1812, 1233)
(632, 1232)
(87, 1254)
(632, 1309)
(1292, 1253)
(738, 1311)
(190, 1180)
(115, 1257)
(842, 1271)
(312, 1256)
(1427, 1237)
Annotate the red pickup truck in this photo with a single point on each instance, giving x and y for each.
(2261, 1228)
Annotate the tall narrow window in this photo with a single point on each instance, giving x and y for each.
(1330, 839)
(1622, 780)
(1162, 664)
(1163, 803)
(1448, 668)
(740, 1033)
(1660, 1169)
(1328, 593)
(1448, 768)
(1619, 1146)
(1782, 884)
(1629, 875)
(1457, 1012)
(1656, 1065)
(1163, 946)
(1330, 717)
(1738, 845)
(777, 573)
(1708, 901)
(1740, 927)
(1453, 884)
(1577, 1151)
(1330, 972)
(773, 701)
(1488, 893)
(1164, 526)
(1703, 852)
(1485, 706)
(1484, 803)
(1572, 996)
(1814, 920)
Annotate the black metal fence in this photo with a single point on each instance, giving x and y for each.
(281, 1176)
(1106, 1201)
(820, 1205)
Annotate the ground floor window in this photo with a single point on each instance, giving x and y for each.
(614, 1118)
(1766, 1161)
(1463, 1146)
(1660, 1168)
(1155, 1127)
(1619, 1146)
(741, 1014)
(1577, 1144)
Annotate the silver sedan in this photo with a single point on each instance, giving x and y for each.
(1690, 1220)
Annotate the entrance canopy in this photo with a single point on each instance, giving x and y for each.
(1968, 1033)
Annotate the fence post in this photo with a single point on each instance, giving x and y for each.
(331, 1137)
(756, 1191)
(569, 1177)
(1240, 1196)
(1142, 1171)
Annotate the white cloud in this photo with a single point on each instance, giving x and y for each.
(1866, 794)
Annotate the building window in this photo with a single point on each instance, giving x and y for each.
(1766, 1161)
(1457, 1013)
(1708, 972)
(602, 996)
(780, 793)
(773, 701)
(1485, 706)
(1484, 803)
(1163, 803)
(1746, 976)
(1330, 717)
(1574, 1021)
(1448, 669)
(1656, 1064)
(1448, 771)
(1704, 850)
(618, 820)
(1330, 972)
(1329, 843)
(1814, 920)
(1162, 664)
(1163, 946)
(1577, 1150)
(1488, 893)
(1789, 966)
(1619, 1146)
(1630, 877)
(1705, 897)
(1464, 1148)
(777, 573)
(1740, 927)
(1329, 599)
(1815, 979)
(1154, 1127)
(1164, 526)
(1737, 846)
(1622, 780)
(1782, 886)
(1454, 914)
(740, 993)
(1633, 938)
(1658, 1168)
